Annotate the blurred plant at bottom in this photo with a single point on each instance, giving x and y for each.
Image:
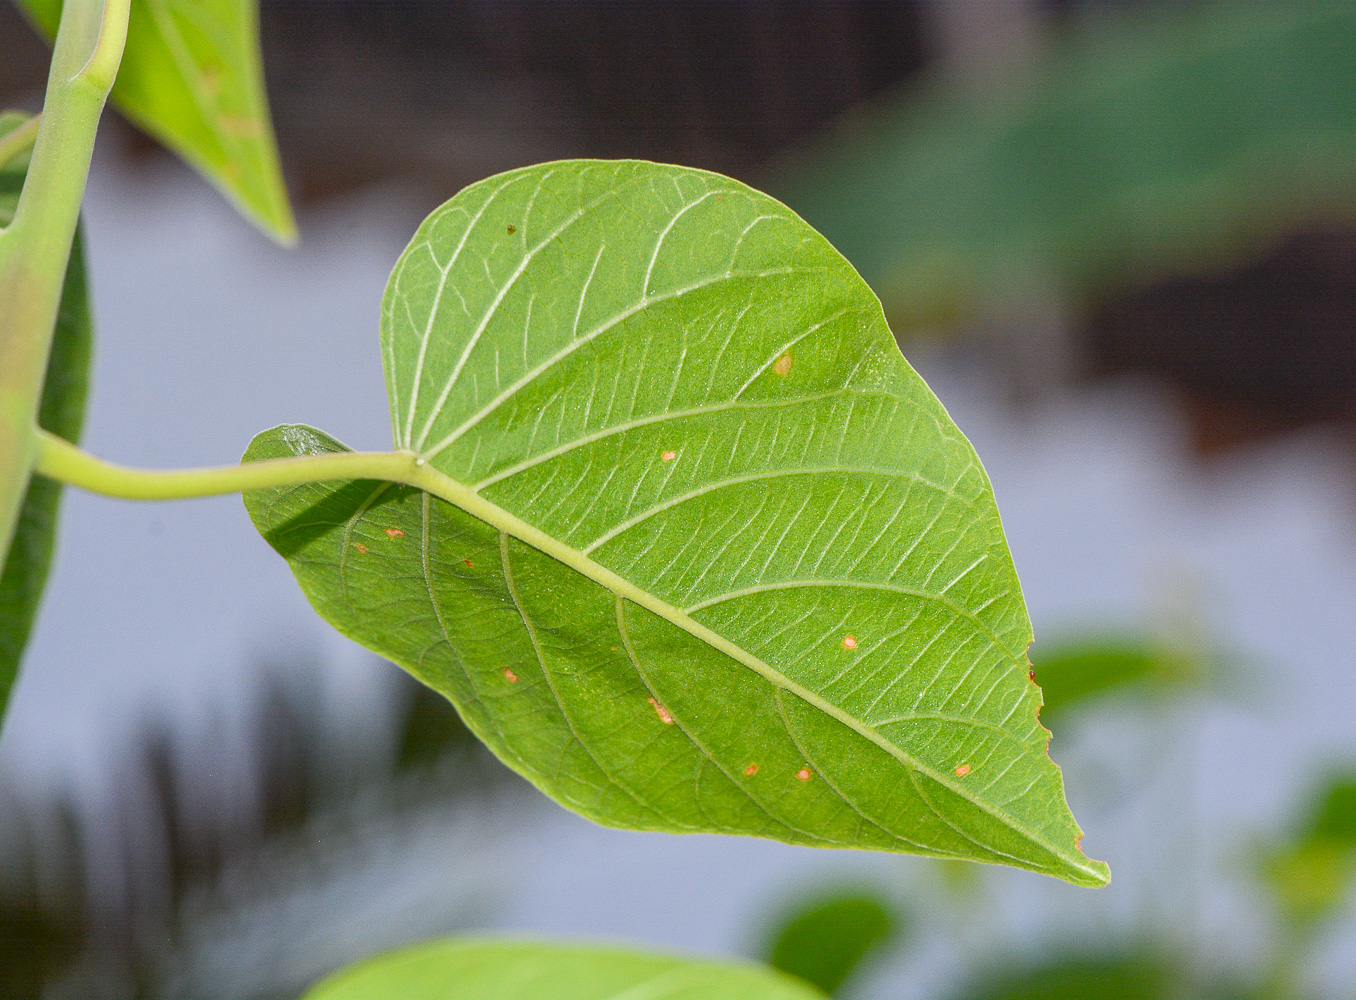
(216, 877)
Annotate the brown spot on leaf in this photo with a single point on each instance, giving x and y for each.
(962, 771)
(803, 774)
(1032, 674)
(241, 126)
(662, 712)
(512, 677)
(782, 366)
(512, 229)
(394, 533)
(467, 564)
(668, 456)
(849, 642)
(751, 770)
(361, 547)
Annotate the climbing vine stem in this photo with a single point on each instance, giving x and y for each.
(36, 246)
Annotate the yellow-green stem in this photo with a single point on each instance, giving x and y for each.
(60, 460)
(36, 246)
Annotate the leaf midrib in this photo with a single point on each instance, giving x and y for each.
(463, 497)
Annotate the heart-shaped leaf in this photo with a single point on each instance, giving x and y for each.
(192, 76)
(492, 970)
(702, 552)
(62, 412)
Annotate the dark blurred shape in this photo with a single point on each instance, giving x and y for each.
(1310, 876)
(432, 730)
(1080, 671)
(186, 812)
(445, 93)
(1261, 349)
(1087, 977)
(825, 939)
(23, 60)
(1168, 142)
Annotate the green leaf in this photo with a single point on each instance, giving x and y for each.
(62, 412)
(826, 939)
(1132, 976)
(192, 76)
(1078, 672)
(493, 970)
(1311, 876)
(716, 559)
(1141, 147)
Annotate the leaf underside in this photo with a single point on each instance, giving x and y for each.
(62, 412)
(490, 970)
(192, 76)
(789, 610)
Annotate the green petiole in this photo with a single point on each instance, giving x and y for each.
(60, 460)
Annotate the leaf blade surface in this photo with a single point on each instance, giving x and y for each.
(192, 76)
(714, 557)
(492, 970)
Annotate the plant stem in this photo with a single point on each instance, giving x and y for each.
(36, 246)
(59, 459)
(20, 140)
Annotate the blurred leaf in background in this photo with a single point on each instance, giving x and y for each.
(1133, 976)
(1080, 671)
(192, 76)
(62, 412)
(826, 938)
(1310, 876)
(522, 970)
(1141, 146)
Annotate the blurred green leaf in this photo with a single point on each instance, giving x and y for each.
(825, 940)
(192, 76)
(1077, 672)
(1149, 145)
(1114, 977)
(699, 551)
(62, 412)
(491, 970)
(1310, 877)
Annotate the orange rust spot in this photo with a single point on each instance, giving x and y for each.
(782, 366)
(662, 712)
(962, 771)
(241, 126)
(668, 456)
(512, 229)
(751, 770)
(512, 677)
(849, 642)
(803, 774)
(360, 547)
(394, 533)
(467, 564)
(1078, 843)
